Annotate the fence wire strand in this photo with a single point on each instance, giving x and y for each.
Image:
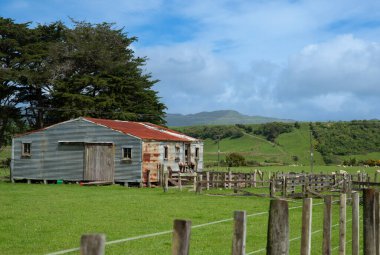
(299, 237)
(169, 231)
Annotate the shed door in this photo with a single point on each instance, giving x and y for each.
(99, 162)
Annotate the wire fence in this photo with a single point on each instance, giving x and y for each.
(139, 237)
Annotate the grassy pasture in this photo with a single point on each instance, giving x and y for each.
(38, 219)
(253, 147)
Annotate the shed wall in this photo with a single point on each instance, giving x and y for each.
(52, 160)
(153, 156)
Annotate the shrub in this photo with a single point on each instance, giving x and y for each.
(235, 159)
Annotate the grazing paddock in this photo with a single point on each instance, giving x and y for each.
(42, 219)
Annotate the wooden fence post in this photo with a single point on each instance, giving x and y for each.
(369, 221)
(306, 226)
(377, 222)
(327, 224)
(159, 180)
(166, 182)
(284, 186)
(342, 224)
(199, 184)
(160, 176)
(272, 187)
(92, 244)
(229, 179)
(181, 237)
(254, 178)
(208, 180)
(236, 182)
(179, 181)
(355, 223)
(278, 228)
(240, 226)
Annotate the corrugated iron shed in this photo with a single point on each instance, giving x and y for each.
(84, 148)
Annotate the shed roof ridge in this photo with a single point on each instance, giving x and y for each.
(166, 131)
(147, 131)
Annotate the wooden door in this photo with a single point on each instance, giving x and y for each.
(99, 162)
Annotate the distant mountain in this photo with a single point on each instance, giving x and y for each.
(224, 117)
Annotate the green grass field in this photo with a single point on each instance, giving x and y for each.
(257, 148)
(39, 219)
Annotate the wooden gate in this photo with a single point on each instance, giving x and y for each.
(99, 162)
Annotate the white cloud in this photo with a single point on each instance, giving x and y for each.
(187, 67)
(302, 59)
(331, 80)
(332, 102)
(344, 64)
(337, 78)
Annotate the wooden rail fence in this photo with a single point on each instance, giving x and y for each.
(278, 229)
(279, 184)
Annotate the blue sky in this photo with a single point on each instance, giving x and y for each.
(313, 60)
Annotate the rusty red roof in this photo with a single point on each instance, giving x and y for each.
(143, 130)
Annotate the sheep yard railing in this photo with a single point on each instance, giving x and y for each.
(273, 184)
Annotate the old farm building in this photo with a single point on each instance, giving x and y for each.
(89, 149)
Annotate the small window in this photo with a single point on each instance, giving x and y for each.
(196, 152)
(166, 152)
(177, 153)
(26, 149)
(127, 153)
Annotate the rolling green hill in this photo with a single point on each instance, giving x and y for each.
(289, 144)
(224, 117)
(289, 148)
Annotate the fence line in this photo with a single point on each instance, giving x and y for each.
(279, 184)
(278, 229)
(169, 231)
(299, 237)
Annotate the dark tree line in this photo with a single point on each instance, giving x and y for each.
(269, 130)
(212, 132)
(272, 130)
(50, 73)
(346, 138)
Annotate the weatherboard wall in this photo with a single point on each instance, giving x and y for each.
(58, 152)
(154, 156)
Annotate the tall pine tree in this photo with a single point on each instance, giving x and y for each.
(98, 75)
(13, 38)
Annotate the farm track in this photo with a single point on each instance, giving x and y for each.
(265, 140)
